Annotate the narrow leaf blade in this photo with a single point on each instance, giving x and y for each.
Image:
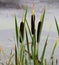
(56, 25)
(16, 29)
(44, 49)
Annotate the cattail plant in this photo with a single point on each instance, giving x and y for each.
(29, 51)
(40, 25)
(39, 29)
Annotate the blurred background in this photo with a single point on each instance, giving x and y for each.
(9, 8)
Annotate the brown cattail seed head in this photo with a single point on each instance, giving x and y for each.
(22, 31)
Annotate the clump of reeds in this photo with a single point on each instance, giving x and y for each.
(28, 53)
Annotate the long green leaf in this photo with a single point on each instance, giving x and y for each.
(16, 28)
(15, 55)
(56, 25)
(44, 49)
(27, 41)
(45, 62)
(54, 48)
(42, 16)
(25, 20)
(22, 53)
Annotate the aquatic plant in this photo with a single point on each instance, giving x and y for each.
(26, 53)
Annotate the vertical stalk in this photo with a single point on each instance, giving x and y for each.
(33, 46)
(27, 45)
(16, 29)
(38, 34)
(52, 61)
(45, 62)
(15, 55)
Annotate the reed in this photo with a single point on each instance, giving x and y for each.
(29, 55)
(27, 52)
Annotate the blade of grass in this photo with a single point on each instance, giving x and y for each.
(34, 51)
(26, 62)
(22, 53)
(28, 46)
(25, 20)
(27, 41)
(32, 57)
(45, 62)
(9, 61)
(44, 49)
(16, 28)
(56, 25)
(26, 11)
(42, 16)
(54, 48)
(15, 55)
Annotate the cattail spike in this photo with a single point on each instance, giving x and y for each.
(33, 21)
(33, 24)
(21, 31)
(39, 31)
